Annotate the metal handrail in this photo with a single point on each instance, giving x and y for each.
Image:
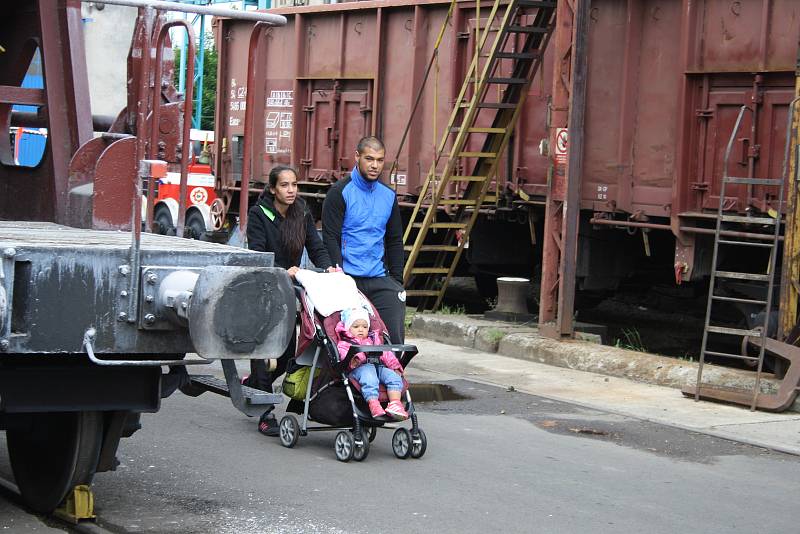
(269, 18)
(187, 122)
(249, 117)
(88, 338)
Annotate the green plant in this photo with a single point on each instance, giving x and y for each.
(209, 97)
(409, 318)
(494, 335)
(631, 340)
(458, 309)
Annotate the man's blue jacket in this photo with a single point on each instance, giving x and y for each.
(362, 229)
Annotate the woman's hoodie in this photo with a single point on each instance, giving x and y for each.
(346, 339)
(264, 224)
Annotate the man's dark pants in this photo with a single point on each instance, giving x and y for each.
(384, 292)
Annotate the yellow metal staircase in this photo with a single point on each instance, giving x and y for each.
(512, 41)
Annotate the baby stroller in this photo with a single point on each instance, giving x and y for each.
(333, 401)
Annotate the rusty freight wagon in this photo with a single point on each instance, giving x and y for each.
(89, 317)
(665, 83)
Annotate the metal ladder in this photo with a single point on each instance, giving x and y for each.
(522, 29)
(741, 240)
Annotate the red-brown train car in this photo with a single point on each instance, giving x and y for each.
(666, 80)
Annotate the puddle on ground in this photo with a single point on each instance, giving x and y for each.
(434, 392)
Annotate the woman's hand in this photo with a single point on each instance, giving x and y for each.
(334, 269)
(292, 271)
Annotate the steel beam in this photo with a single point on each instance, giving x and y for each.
(790, 293)
(563, 197)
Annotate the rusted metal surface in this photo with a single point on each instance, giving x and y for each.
(253, 122)
(664, 82)
(56, 32)
(791, 256)
(155, 120)
(200, 9)
(335, 75)
(557, 220)
(771, 402)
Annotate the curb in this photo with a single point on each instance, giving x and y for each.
(584, 353)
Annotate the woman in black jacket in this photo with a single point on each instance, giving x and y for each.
(281, 223)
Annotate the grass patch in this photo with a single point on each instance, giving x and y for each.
(452, 310)
(494, 335)
(631, 340)
(409, 318)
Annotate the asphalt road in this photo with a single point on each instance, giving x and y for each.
(496, 461)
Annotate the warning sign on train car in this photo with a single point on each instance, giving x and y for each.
(561, 146)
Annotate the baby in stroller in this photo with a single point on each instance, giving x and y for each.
(340, 333)
(354, 329)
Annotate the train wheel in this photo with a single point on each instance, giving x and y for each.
(54, 453)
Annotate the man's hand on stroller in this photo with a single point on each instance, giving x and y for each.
(390, 360)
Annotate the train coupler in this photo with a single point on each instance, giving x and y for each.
(78, 506)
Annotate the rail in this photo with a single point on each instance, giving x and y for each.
(269, 18)
(187, 123)
(249, 117)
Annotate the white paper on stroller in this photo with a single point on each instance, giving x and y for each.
(330, 292)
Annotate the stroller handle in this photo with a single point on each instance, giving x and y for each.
(380, 349)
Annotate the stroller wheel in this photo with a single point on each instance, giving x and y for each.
(401, 443)
(289, 431)
(418, 443)
(344, 446)
(371, 433)
(361, 450)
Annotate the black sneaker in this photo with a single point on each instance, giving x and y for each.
(268, 425)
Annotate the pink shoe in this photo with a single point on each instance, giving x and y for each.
(375, 408)
(396, 411)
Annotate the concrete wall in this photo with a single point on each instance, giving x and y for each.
(107, 32)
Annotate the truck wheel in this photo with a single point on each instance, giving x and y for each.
(195, 225)
(163, 221)
(53, 453)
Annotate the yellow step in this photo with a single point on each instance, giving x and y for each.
(434, 248)
(477, 129)
(457, 202)
(486, 130)
(455, 225)
(455, 178)
(430, 270)
(477, 154)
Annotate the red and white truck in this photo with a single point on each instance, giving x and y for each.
(204, 211)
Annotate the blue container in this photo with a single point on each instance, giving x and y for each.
(30, 146)
(30, 143)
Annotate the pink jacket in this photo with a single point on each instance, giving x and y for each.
(346, 339)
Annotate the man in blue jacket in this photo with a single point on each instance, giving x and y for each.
(363, 233)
